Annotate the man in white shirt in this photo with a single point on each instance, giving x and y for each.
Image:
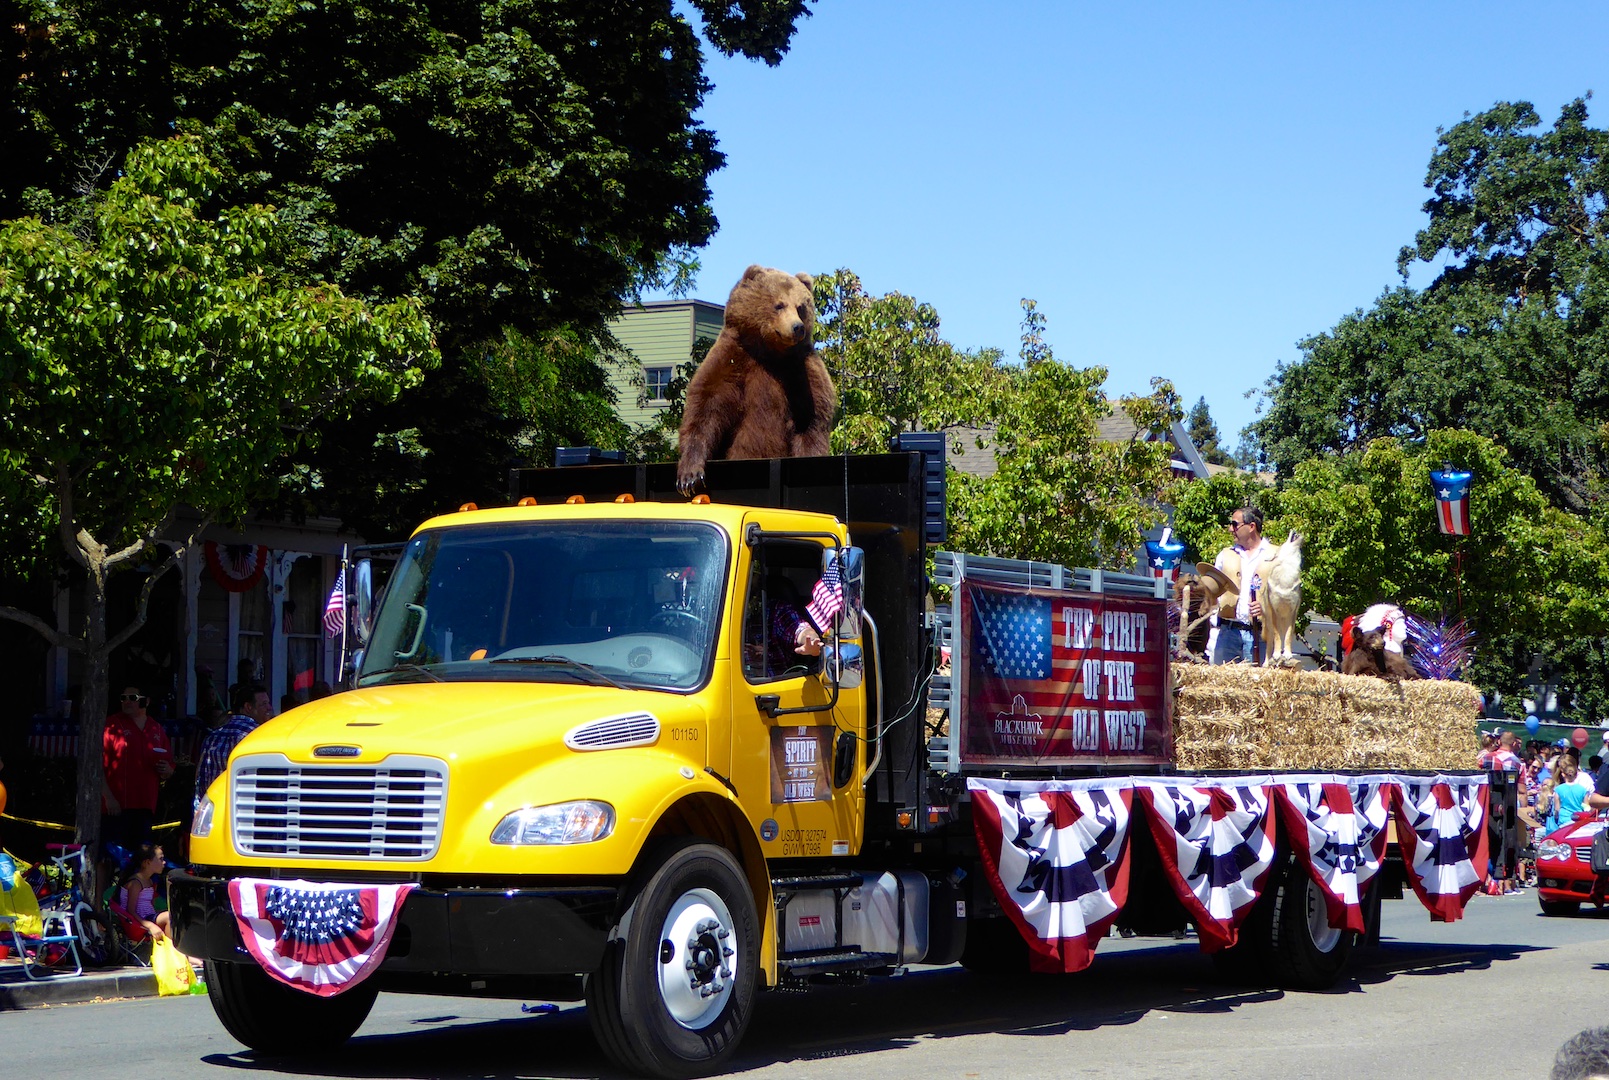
(1236, 642)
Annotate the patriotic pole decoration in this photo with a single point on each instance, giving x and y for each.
(1164, 555)
(335, 619)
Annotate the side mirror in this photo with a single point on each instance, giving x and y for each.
(850, 566)
(842, 665)
(363, 590)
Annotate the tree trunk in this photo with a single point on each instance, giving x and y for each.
(92, 708)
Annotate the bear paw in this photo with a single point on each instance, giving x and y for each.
(689, 475)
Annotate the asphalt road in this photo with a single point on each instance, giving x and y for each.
(1493, 995)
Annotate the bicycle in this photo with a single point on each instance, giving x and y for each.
(61, 889)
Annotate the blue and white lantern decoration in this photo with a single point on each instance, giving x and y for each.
(1452, 501)
(1163, 556)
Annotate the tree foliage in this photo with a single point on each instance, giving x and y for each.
(1510, 340)
(1061, 493)
(156, 357)
(519, 164)
(1203, 431)
(1201, 512)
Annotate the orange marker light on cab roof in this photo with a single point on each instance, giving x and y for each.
(701, 500)
(467, 507)
(527, 501)
(624, 499)
(575, 499)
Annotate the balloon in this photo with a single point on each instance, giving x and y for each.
(1579, 737)
(1531, 724)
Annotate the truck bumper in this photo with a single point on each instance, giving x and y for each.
(474, 932)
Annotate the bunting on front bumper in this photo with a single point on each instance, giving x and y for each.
(1058, 865)
(1057, 861)
(319, 937)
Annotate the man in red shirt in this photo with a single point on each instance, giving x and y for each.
(137, 759)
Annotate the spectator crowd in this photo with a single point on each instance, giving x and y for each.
(1553, 785)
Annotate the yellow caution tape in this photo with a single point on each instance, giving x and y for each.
(69, 828)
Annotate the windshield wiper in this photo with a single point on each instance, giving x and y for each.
(598, 678)
(419, 669)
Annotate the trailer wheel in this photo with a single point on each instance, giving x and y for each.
(1309, 953)
(1559, 907)
(676, 987)
(272, 1018)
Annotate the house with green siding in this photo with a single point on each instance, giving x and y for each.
(656, 337)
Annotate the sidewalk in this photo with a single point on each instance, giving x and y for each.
(17, 991)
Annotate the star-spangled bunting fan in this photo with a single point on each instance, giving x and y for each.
(1055, 857)
(1452, 501)
(319, 937)
(1163, 556)
(335, 607)
(827, 598)
(1216, 847)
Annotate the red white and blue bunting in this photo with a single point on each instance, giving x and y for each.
(315, 936)
(1056, 851)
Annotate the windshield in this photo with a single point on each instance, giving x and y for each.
(599, 603)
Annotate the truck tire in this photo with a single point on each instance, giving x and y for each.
(1559, 907)
(1308, 953)
(675, 991)
(275, 1019)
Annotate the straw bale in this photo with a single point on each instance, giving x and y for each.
(1242, 717)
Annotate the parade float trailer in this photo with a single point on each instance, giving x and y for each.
(571, 768)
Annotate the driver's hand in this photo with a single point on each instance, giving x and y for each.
(806, 642)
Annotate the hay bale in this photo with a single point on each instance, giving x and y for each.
(1241, 717)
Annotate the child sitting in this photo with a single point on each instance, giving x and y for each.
(139, 888)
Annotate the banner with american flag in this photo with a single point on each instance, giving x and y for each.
(1452, 501)
(1055, 855)
(1057, 862)
(1441, 827)
(1215, 839)
(1052, 676)
(319, 937)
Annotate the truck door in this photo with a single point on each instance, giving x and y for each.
(804, 769)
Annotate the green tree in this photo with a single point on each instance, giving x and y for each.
(519, 164)
(1201, 511)
(1060, 493)
(1511, 339)
(154, 358)
(894, 371)
(1203, 432)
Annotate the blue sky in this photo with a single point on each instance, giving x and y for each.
(1186, 190)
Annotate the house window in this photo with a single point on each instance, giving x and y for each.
(657, 382)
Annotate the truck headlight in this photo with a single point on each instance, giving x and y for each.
(201, 820)
(1552, 849)
(579, 822)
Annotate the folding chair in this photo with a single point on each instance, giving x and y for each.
(133, 939)
(43, 956)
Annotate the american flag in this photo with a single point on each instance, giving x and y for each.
(316, 936)
(827, 598)
(335, 607)
(1452, 501)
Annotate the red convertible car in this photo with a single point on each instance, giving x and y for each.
(1564, 867)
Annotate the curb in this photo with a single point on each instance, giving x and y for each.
(77, 989)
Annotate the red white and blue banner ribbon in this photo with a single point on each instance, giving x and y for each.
(1057, 861)
(1452, 501)
(1442, 832)
(1058, 865)
(1216, 843)
(319, 937)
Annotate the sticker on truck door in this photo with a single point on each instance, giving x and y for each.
(800, 759)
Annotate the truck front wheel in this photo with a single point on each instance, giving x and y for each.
(276, 1019)
(676, 987)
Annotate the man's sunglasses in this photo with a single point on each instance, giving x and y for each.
(133, 697)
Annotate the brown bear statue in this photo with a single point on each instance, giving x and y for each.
(762, 391)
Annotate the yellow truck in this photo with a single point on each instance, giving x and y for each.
(584, 740)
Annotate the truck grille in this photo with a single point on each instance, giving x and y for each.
(392, 810)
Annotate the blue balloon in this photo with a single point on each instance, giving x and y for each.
(1531, 724)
